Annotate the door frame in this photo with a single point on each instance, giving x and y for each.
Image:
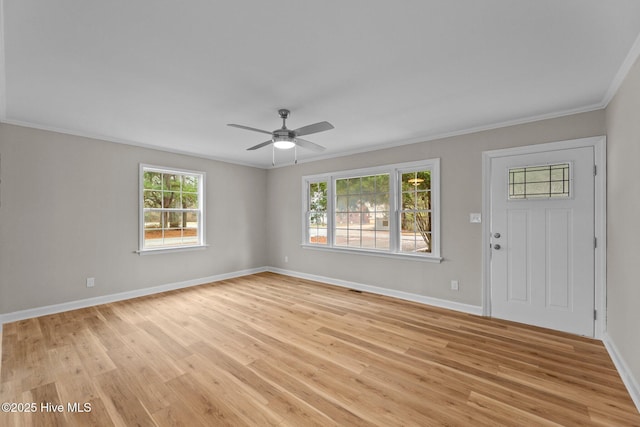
(599, 144)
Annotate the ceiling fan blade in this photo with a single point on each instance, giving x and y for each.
(314, 128)
(308, 144)
(263, 144)
(249, 128)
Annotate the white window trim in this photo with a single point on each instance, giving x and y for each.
(395, 171)
(201, 218)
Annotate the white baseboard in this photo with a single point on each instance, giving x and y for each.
(623, 369)
(451, 305)
(105, 299)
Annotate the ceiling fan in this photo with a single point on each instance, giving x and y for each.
(285, 138)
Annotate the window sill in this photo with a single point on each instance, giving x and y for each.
(171, 249)
(403, 256)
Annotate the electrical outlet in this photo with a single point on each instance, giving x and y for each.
(455, 285)
(91, 282)
(286, 258)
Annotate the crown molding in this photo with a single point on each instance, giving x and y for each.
(624, 69)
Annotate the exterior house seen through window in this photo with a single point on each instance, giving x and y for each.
(171, 208)
(391, 210)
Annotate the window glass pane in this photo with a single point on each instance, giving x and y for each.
(355, 238)
(408, 242)
(539, 182)
(171, 182)
(382, 239)
(408, 200)
(190, 183)
(368, 238)
(381, 201)
(152, 220)
(423, 244)
(190, 235)
(415, 220)
(318, 235)
(558, 189)
(342, 186)
(354, 186)
(537, 189)
(558, 173)
(382, 183)
(173, 219)
(354, 204)
(190, 219)
(381, 221)
(354, 219)
(423, 200)
(368, 184)
(190, 200)
(153, 180)
(318, 219)
(342, 203)
(516, 176)
(537, 174)
(318, 196)
(419, 180)
(340, 237)
(171, 199)
(152, 199)
(153, 238)
(317, 213)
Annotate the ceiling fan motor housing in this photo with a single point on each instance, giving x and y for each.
(283, 133)
(284, 113)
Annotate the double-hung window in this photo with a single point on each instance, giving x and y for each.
(171, 208)
(386, 210)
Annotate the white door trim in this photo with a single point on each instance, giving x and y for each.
(599, 144)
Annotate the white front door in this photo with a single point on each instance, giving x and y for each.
(542, 239)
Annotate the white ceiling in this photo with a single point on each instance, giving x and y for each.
(171, 74)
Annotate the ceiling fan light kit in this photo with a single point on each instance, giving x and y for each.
(285, 138)
(284, 143)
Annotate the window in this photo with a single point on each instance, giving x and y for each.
(415, 212)
(317, 212)
(171, 208)
(387, 210)
(539, 182)
(361, 212)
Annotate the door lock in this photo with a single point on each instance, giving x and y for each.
(496, 235)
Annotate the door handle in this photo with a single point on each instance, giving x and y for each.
(496, 246)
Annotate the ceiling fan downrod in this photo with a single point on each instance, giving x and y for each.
(284, 115)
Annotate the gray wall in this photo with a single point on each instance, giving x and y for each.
(623, 210)
(461, 194)
(69, 210)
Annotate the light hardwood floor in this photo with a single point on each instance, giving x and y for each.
(273, 350)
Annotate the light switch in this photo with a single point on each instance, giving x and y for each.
(475, 218)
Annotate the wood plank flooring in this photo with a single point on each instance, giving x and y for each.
(268, 350)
